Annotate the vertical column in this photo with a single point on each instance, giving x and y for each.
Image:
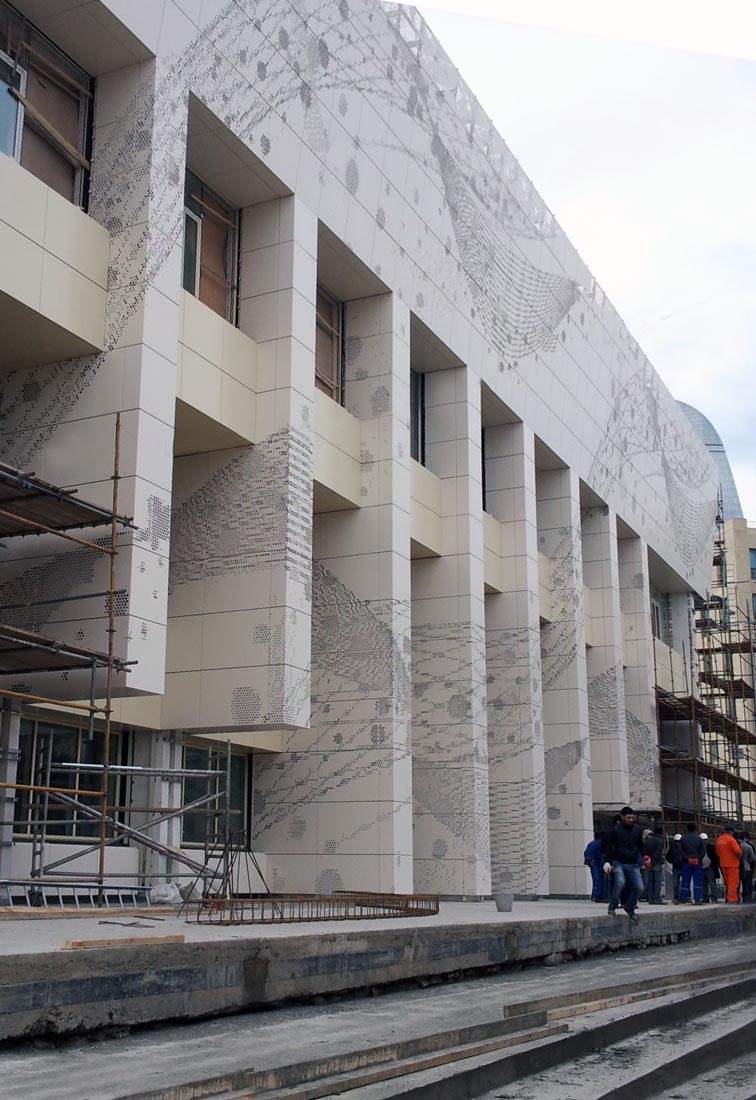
(336, 809)
(158, 750)
(604, 659)
(10, 725)
(640, 692)
(517, 794)
(565, 691)
(67, 429)
(242, 521)
(449, 739)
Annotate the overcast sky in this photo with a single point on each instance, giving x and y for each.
(646, 155)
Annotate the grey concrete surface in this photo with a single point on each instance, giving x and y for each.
(46, 990)
(166, 1057)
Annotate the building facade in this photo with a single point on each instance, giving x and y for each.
(410, 502)
(731, 506)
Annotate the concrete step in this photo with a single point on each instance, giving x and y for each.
(477, 1075)
(521, 1022)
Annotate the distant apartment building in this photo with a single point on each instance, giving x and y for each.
(411, 505)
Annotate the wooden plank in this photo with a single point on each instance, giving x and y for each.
(124, 941)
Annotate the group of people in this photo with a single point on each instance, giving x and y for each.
(628, 864)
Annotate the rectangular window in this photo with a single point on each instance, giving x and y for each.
(753, 606)
(752, 556)
(43, 742)
(198, 826)
(417, 416)
(483, 467)
(656, 618)
(45, 108)
(211, 248)
(328, 345)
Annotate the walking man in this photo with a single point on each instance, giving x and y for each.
(729, 853)
(694, 850)
(624, 856)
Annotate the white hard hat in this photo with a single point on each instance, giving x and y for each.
(677, 836)
(704, 836)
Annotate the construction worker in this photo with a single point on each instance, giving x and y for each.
(694, 850)
(729, 853)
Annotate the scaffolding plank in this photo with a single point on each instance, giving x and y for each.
(29, 499)
(22, 651)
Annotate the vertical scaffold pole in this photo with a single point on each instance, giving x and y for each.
(111, 653)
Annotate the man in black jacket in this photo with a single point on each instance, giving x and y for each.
(624, 856)
(694, 850)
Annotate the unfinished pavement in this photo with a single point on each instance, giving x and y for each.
(482, 1033)
(47, 990)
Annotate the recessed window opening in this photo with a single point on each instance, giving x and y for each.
(752, 562)
(200, 826)
(329, 372)
(45, 108)
(211, 248)
(417, 416)
(40, 742)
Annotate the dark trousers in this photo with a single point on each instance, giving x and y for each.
(600, 884)
(655, 877)
(746, 884)
(676, 881)
(709, 884)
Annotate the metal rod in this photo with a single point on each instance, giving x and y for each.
(137, 770)
(111, 647)
(44, 530)
(58, 599)
(43, 789)
(49, 702)
(135, 832)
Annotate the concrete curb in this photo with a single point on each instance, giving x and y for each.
(61, 993)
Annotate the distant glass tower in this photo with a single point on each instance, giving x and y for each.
(732, 507)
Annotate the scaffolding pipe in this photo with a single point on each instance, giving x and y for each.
(111, 649)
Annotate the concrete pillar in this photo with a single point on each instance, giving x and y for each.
(565, 690)
(640, 697)
(334, 810)
(449, 739)
(604, 659)
(158, 749)
(10, 725)
(517, 794)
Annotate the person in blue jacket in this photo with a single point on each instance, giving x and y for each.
(593, 857)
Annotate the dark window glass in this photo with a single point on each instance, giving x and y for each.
(8, 109)
(417, 416)
(199, 826)
(752, 555)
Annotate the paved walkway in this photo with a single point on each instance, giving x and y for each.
(160, 1057)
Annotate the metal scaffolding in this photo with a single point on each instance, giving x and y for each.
(31, 506)
(707, 722)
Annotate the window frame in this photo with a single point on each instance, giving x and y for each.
(752, 562)
(335, 384)
(60, 69)
(120, 741)
(232, 220)
(417, 415)
(220, 754)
